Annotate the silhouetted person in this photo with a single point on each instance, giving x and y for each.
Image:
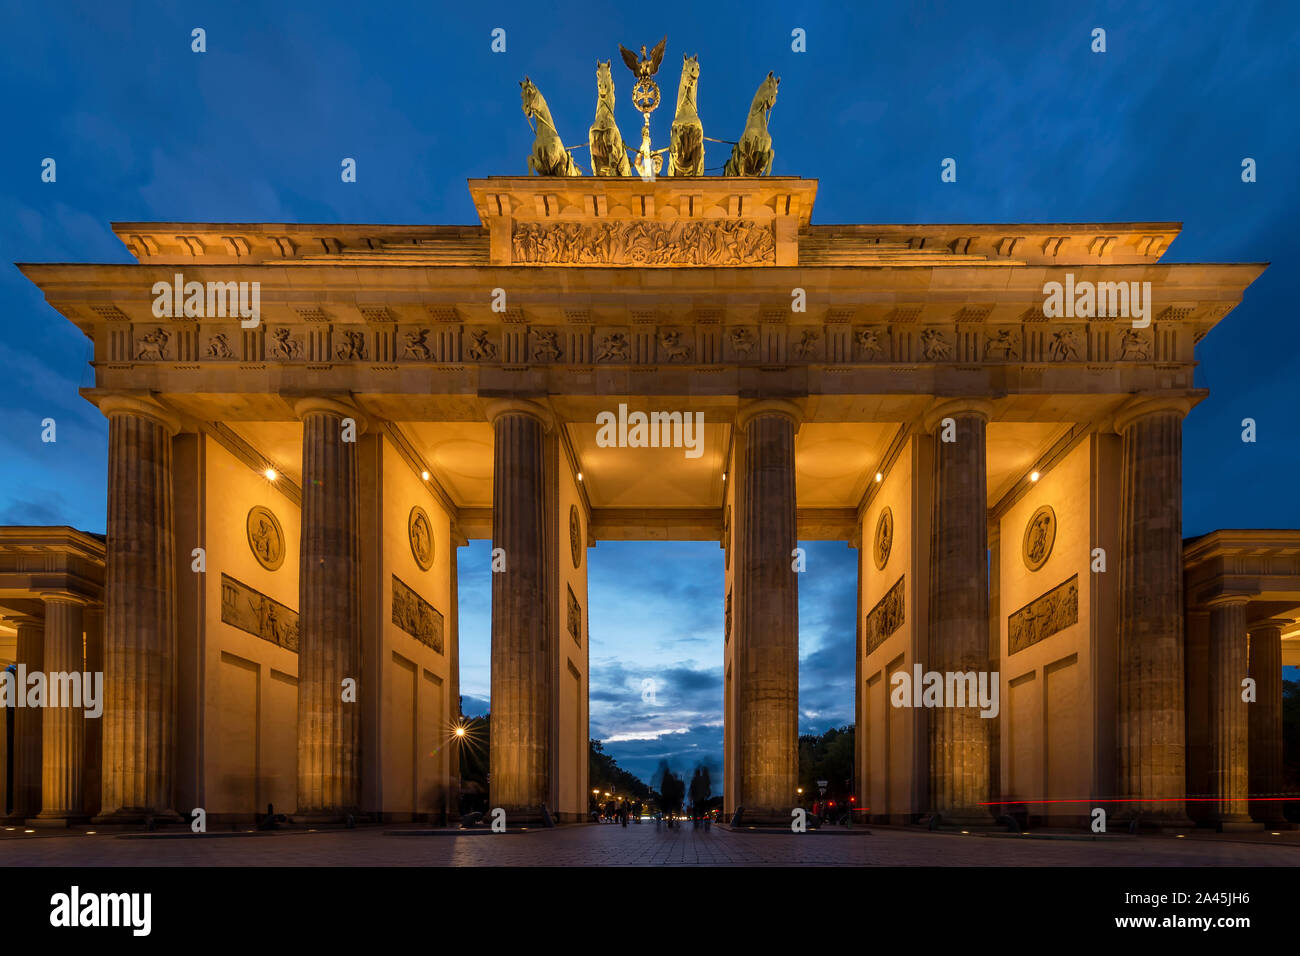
(272, 820)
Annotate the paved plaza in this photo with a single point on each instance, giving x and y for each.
(644, 845)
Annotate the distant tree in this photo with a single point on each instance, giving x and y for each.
(829, 757)
(475, 749)
(604, 773)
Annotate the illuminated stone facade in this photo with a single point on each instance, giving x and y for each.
(843, 372)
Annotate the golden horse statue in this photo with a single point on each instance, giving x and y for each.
(549, 157)
(608, 154)
(686, 139)
(753, 155)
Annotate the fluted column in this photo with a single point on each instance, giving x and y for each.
(329, 609)
(1151, 732)
(521, 673)
(1229, 714)
(140, 608)
(767, 618)
(28, 721)
(1265, 721)
(63, 733)
(959, 608)
(92, 782)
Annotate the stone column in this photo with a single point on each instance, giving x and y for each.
(329, 614)
(63, 733)
(1151, 732)
(521, 673)
(1265, 721)
(28, 721)
(959, 608)
(140, 608)
(1228, 714)
(92, 781)
(767, 618)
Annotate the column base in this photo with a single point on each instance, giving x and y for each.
(765, 817)
(1237, 823)
(129, 815)
(1276, 823)
(537, 816)
(57, 820)
(963, 818)
(1163, 819)
(327, 818)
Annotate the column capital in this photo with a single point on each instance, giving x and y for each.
(500, 407)
(954, 408)
(769, 406)
(1234, 599)
(326, 405)
(141, 406)
(64, 596)
(1142, 406)
(24, 620)
(1270, 623)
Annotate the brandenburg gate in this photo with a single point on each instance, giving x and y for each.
(287, 492)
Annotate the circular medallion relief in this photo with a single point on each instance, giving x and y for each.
(265, 537)
(575, 536)
(1040, 535)
(884, 539)
(421, 533)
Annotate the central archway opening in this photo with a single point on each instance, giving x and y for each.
(656, 695)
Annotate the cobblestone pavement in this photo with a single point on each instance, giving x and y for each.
(644, 845)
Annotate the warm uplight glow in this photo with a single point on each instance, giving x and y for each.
(270, 474)
(724, 476)
(799, 789)
(580, 476)
(424, 475)
(879, 477)
(1033, 476)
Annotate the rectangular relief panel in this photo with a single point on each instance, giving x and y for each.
(416, 616)
(886, 617)
(1044, 616)
(255, 613)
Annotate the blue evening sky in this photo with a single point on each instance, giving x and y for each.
(1042, 129)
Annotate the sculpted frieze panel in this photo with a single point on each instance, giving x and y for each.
(574, 621)
(254, 613)
(871, 344)
(153, 345)
(708, 242)
(886, 617)
(1134, 345)
(283, 345)
(936, 345)
(416, 616)
(650, 343)
(219, 346)
(1044, 616)
(742, 343)
(675, 345)
(479, 346)
(1002, 345)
